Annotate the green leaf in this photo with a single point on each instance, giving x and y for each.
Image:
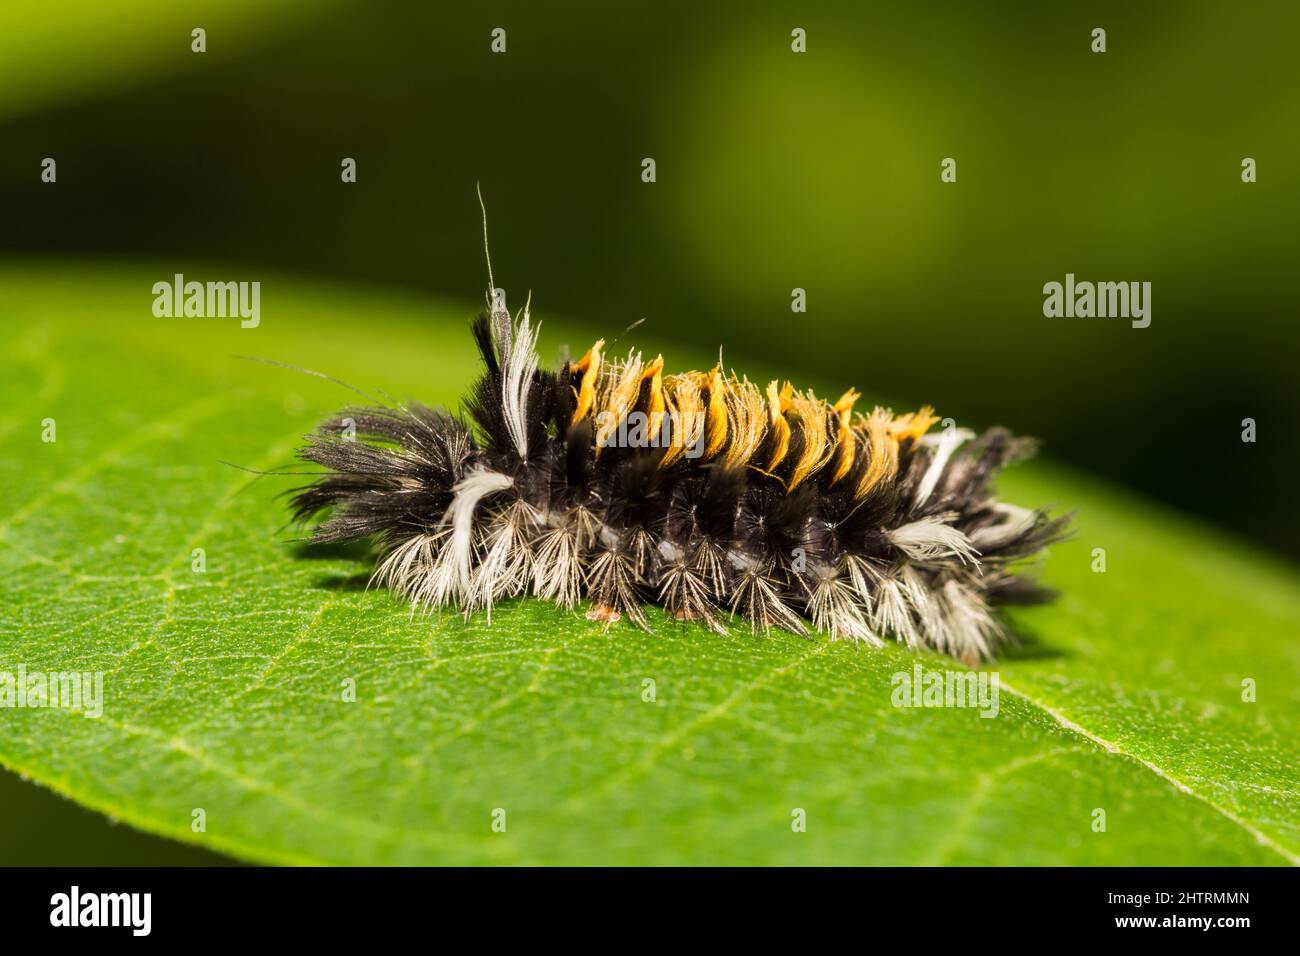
(223, 690)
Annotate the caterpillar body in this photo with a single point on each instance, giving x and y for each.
(614, 482)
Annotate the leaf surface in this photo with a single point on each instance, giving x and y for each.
(224, 690)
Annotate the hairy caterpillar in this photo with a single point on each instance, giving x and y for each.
(616, 482)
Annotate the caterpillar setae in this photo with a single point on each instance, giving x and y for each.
(615, 482)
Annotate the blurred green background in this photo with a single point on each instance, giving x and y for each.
(775, 170)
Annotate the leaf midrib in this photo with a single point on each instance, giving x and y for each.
(1110, 747)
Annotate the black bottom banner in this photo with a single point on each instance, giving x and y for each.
(335, 906)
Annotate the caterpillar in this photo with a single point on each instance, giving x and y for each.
(614, 482)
